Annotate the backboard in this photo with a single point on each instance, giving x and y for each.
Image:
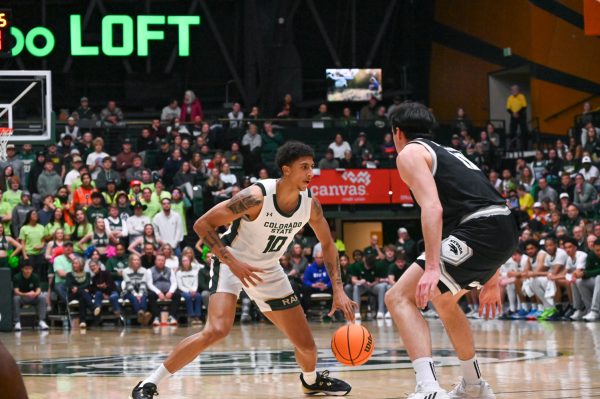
(26, 105)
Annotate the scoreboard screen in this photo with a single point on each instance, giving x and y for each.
(5, 38)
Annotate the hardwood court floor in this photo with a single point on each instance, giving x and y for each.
(520, 359)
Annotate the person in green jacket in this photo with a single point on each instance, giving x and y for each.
(271, 141)
(118, 263)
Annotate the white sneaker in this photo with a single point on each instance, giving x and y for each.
(17, 326)
(43, 326)
(578, 315)
(357, 316)
(379, 315)
(428, 392)
(388, 316)
(171, 321)
(473, 314)
(82, 325)
(97, 311)
(592, 316)
(482, 390)
(156, 322)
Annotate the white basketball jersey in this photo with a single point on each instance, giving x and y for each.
(261, 242)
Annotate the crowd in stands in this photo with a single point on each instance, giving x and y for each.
(81, 224)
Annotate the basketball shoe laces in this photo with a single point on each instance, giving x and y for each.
(324, 378)
(149, 391)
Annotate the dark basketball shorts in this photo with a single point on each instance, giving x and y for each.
(472, 253)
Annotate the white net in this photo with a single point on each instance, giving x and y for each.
(5, 134)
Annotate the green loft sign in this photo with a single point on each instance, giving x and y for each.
(136, 35)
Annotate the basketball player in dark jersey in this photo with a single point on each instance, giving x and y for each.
(468, 231)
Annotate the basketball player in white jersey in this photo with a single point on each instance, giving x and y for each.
(264, 219)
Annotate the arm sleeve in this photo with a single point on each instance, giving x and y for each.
(591, 273)
(128, 287)
(580, 261)
(246, 139)
(156, 228)
(179, 228)
(182, 287)
(202, 283)
(125, 230)
(173, 287)
(194, 286)
(308, 276)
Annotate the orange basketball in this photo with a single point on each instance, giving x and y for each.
(352, 345)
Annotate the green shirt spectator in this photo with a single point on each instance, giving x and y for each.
(397, 269)
(78, 232)
(179, 205)
(359, 271)
(13, 198)
(26, 284)
(116, 265)
(51, 228)
(373, 249)
(95, 212)
(382, 268)
(6, 212)
(61, 263)
(32, 237)
(592, 266)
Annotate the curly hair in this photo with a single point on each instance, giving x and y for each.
(292, 151)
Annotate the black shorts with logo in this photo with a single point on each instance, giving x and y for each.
(474, 250)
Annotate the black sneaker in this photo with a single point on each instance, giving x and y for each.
(326, 385)
(148, 391)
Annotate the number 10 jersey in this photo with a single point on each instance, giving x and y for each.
(262, 241)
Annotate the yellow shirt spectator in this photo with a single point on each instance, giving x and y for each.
(516, 103)
(526, 203)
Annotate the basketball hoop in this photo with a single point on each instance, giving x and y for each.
(5, 133)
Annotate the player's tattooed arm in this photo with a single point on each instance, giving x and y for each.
(330, 254)
(245, 202)
(242, 201)
(334, 270)
(217, 247)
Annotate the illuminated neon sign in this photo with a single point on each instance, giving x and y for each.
(137, 34)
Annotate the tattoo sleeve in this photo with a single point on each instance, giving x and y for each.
(334, 270)
(243, 201)
(212, 240)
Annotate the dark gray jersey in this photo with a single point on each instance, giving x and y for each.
(462, 187)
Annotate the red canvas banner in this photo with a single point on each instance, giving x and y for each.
(591, 16)
(359, 186)
(352, 186)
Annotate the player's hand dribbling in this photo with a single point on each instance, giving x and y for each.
(343, 303)
(244, 272)
(426, 287)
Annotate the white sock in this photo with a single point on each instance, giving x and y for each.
(425, 371)
(470, 369)
(158, 375)
(310, 377)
